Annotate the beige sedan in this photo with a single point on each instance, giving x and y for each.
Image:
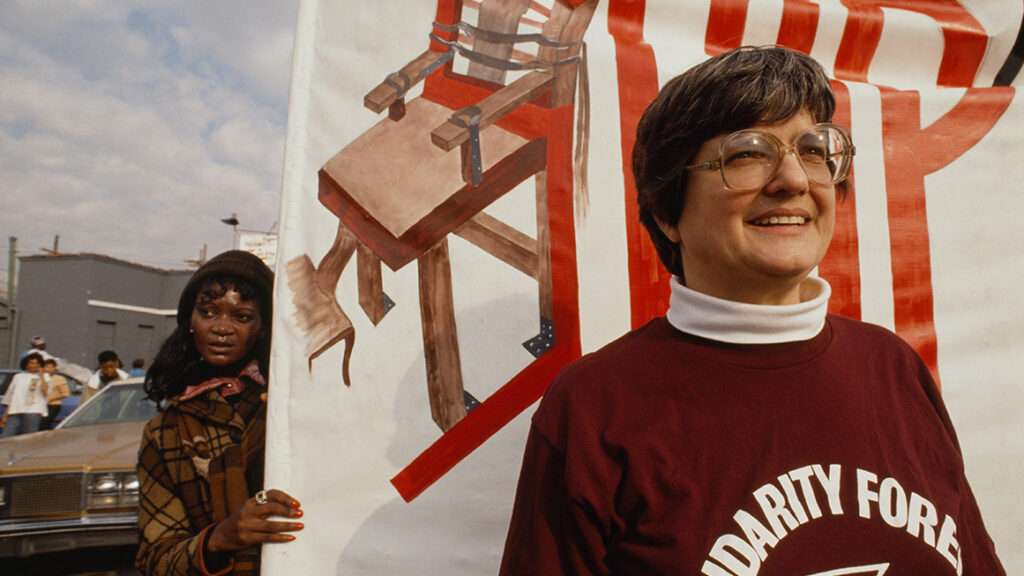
(75, 487)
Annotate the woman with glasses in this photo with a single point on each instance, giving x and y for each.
(747, 431)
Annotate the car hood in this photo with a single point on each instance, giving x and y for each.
(85, 448)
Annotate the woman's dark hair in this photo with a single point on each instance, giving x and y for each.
(178, 364)
(23, 363)
(729, 92)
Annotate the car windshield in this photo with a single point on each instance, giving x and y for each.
(117, 403)
(5, 379)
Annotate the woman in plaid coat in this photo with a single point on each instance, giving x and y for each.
(202, 509)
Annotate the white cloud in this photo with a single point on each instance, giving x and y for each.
(133, 131)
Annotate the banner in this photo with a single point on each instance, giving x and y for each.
(459, 222)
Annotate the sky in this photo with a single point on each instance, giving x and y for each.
(131, 129)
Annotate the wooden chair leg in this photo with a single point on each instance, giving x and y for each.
(543, 341)
(543, 247)
(440, 341)
(372, 299)
(318, 314)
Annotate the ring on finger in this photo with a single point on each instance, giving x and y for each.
(261, 497)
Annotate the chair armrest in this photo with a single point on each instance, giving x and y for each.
(450, 134)
(387, 92)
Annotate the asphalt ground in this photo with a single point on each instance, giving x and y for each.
(88, 562)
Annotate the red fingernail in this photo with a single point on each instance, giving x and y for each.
(297, 514)
(295, 504)
(290, 537)
(299, 525)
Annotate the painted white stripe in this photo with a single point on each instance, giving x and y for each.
(601, 249)
(1001, 20)
(168, 312)
(676, 30)
(831, 22)
(909, 52)
(939, 102)
(872, 207)
(764, 17)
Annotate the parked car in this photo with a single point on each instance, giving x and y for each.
(75, 487)
(67, 405)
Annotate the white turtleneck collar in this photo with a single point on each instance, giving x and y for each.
(741, 323)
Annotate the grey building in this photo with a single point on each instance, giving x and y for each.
(5, 330)
(86, 303)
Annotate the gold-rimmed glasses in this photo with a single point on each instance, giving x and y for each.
(750, 159)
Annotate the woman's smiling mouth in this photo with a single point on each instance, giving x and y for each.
(780, 221)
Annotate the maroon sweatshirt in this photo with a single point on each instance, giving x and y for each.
(666, 453)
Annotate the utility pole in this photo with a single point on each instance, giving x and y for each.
(12, 272)
(12, 261)
(200, 261)
(55, 251)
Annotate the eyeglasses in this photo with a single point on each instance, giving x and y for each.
(749, 159)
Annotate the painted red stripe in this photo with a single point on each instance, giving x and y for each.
(525, 388)
(456, 91)
(860, 40)
(447, 13)
(490, 416)
(965, 39)
(841, 266)
(638, 85)
(726, 21)
(964, 126)
(799, 25)
(914, 311)
(910, 154)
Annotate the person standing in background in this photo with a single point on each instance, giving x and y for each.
(25, 398)
(38, 344)
(109, 371)
(138, 368)
(58, 391)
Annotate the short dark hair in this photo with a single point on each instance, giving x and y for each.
(726, 93)
(23, 364)
(107, 356)
(138, 363)
(49, 361)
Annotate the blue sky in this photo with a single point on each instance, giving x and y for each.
(131, 129)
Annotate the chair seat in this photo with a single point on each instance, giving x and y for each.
(400, 194)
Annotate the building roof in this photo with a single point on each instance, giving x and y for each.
(104, 258)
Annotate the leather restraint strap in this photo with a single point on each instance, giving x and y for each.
(499, 37)
(401, 81)
(469, 118)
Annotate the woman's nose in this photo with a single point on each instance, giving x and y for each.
(222, 326)
(790, 177)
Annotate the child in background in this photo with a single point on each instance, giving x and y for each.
(59, 390)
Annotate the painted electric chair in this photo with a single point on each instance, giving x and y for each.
(435, 164)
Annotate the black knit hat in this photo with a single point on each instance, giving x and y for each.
(233, 263)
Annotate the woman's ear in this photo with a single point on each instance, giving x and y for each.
(671, 231)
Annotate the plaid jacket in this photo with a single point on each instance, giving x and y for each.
(199, 460)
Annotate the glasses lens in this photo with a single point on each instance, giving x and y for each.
(748, 160)
(751, 158)
(825, 154)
